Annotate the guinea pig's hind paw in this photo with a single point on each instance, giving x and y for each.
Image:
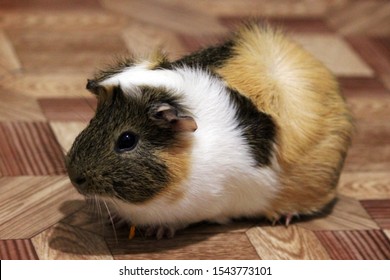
(160, 232)
(288, 219)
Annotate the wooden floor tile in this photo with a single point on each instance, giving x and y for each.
(184, 246)
(61, 21)
(12, 109)
(29, 148)
(363, 17)
(167, 16)
(60, 85)
(8, 58)
(358, 87)
(66, 132)
(387, 233)
(32, 204)
(68, 109)
(142, 39)
(365, 185)
(338, 56)
(379, 210)
(370, 109)
(65, 242)
(81, 50)
(372, 133)
(279, 242)
(372, 51)
(50, 5)
(346, 214)
(368, 158)
(195, 43)
(362, 245)
(17, 249)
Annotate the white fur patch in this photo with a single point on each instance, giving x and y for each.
(224, 180)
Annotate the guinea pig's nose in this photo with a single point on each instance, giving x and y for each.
(78, 180)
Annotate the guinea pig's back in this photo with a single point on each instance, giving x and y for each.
(314, 125)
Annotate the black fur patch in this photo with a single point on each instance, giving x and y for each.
(258, 128)
(208, 58)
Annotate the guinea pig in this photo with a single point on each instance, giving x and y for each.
(253, 127)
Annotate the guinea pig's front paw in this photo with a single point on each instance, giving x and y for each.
(160, 231)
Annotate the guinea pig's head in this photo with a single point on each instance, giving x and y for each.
(135, 147)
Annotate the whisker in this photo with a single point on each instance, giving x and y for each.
(99, 211)
(112, 221)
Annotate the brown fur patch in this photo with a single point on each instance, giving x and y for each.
(302, 96)
(178, 160)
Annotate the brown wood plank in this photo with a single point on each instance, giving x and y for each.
(379, 209)
(37, 85)
(66, 132)
(48, 4)
(362, 245)
(365, 185)
(362, 17)
(68, 109)
(279, 242)
(9, 61)
(373, 52)
(17, 249)
(142, 39)
(167, 15)
(18, 107)
(29, 149)
(79, 49)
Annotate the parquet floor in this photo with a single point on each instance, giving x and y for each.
(49, 48)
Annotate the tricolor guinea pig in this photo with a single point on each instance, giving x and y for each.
(255, 126)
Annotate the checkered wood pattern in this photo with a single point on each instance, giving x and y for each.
(49, 48)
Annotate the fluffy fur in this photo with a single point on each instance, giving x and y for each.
(302, 96)
(215, 188)
(301, 135)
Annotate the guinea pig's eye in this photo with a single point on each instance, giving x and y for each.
(126, 142)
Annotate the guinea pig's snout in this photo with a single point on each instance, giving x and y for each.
(78, 180)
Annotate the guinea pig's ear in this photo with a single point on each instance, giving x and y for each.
(167, 115)
(94, 87)
(102, 93)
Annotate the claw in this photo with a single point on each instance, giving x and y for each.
(288, 219)
(275, 220)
